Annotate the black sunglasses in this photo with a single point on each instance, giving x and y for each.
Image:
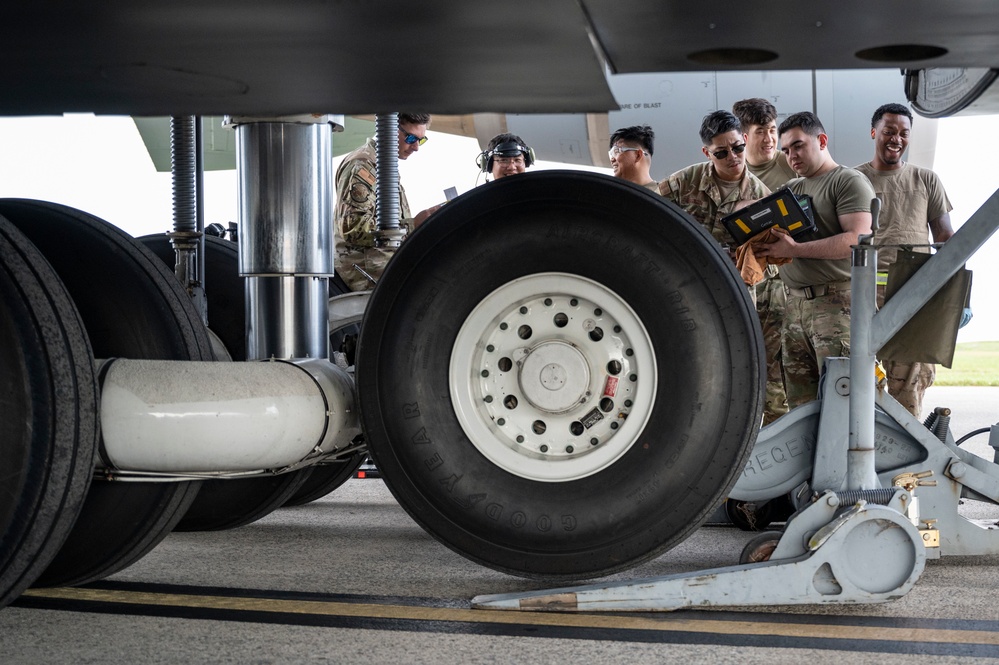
(413, 138)
(723, 153)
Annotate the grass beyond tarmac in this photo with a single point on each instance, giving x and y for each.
(975, 364)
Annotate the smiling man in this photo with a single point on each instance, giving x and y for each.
(817, 280)
(630, 155)
(505, 155)
(758, 118)
(914, 207)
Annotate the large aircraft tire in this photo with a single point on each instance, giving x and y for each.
(560, 375)
(131, 307)
(48, 413)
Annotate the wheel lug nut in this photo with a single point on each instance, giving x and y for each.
(569, 449)
(544, 449)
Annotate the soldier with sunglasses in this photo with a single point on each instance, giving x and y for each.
(718, 187)
(630, 155)
(357, 260)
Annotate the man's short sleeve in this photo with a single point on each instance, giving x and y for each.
(855, 193)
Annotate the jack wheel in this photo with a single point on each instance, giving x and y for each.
(760, 547)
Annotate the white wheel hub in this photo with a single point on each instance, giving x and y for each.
(553, 377)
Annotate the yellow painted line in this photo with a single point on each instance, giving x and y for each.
(783, 208)
(742, 225)
(667, 622)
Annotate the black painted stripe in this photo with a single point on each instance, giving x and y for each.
(855, 634)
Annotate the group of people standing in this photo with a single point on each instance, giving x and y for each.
(804, 305)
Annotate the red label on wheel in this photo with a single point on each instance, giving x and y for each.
(610, 388)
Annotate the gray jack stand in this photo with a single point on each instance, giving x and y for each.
(865, 536)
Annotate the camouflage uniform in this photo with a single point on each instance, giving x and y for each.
(817, 318)
(770, 305)
(770, 299)
(696, 190)
(354, 219)
(911, 196)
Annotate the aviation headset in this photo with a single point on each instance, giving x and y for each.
(507, 149)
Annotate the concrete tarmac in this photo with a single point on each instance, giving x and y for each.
(352, 579)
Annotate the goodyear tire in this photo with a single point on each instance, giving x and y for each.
(560, 375)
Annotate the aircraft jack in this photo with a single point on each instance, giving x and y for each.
(868, 540)
(865, 554)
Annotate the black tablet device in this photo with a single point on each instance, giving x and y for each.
(782, 208)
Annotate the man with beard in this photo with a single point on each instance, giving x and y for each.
(357, 259)
(914, 206)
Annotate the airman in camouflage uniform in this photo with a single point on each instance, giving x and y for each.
(718, 187)
(913, 202)
(356, 258)
(817, 280)
(711, 190)
(758, 118)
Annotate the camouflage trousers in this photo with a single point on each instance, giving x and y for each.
(813, 331)
(371, 260)
(770, 305)
(907, 382)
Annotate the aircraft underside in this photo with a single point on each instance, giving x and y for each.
(560, 375)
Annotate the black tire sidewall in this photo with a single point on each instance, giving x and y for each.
(680, 285)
